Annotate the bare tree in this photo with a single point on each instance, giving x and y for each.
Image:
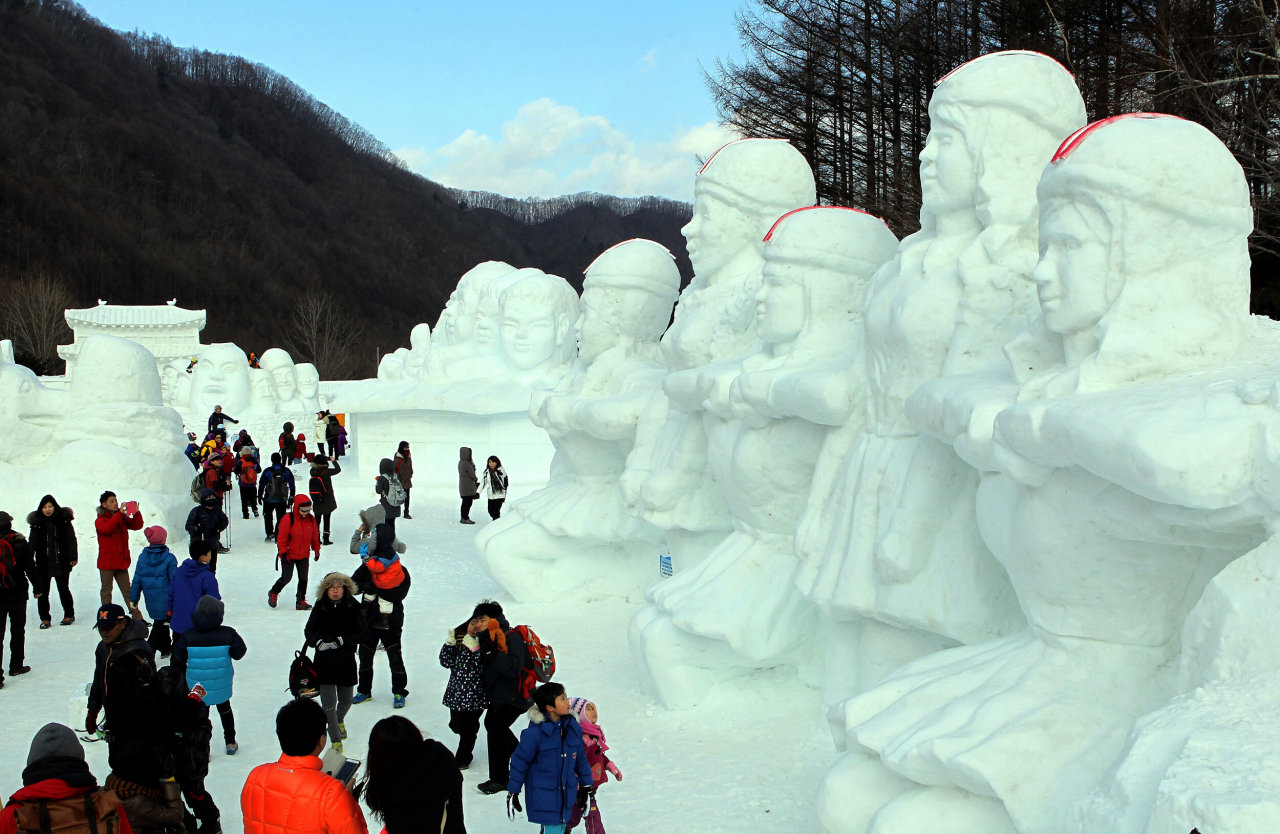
(33, 314)
(322, 334)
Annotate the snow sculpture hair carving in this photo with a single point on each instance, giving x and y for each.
(536, 317)
(562, 539)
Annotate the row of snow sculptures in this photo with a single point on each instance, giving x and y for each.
(577, 533)
(222, 376)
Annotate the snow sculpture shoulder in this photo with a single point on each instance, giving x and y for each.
(739, 193)
(889, 543)
(766, 414)
(576, 534)
(1122, 475)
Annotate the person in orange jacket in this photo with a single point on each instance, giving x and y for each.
(298, 535)
(113, 526)
(292, 795)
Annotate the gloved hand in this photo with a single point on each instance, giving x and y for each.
(613, 768)
(452, 639)
(327, 646)
(584, 797)
(91, 722)
(513, 805)
(317, 557)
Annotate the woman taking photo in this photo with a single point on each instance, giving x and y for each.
(334, 630)
(413, 784)
(53, 546)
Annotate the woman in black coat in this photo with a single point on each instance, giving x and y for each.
(413, 783)
(54, 548)
(323, 501)
(333, 630)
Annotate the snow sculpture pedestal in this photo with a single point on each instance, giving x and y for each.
(575, 537)
(765, 417)
(1121, 473)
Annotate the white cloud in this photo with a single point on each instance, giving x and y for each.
(649, 60)
(550, 149)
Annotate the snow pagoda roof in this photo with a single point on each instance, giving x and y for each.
(140, 316)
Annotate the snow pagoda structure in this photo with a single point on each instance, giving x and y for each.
(167, 330)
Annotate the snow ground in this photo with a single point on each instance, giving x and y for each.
(747, 760)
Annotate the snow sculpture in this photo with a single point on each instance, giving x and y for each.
(221, 377)
(568, 537)
(285, 375)
(391, 366)
(308, 387)
(1121, 470)
(766, 415)
(415, 363)
(739, 193)
(889, 542)
(265, 400)
(536, 319)
(458, 318)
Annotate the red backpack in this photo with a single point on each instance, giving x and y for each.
(541, 664)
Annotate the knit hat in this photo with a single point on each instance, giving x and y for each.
(55, 740)
(579, 707)
(156, 535)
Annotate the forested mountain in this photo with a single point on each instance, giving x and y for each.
(137, 172)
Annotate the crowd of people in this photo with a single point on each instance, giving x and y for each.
(155, 718)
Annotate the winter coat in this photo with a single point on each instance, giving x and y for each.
(193, 580)
(597, 755)
(465, 690)
(321, 429)
(113, 538)
(147, 813)
(501, 670)
(53, 540)
(180, 725)
(467, 483)
(151, 579)
(288, 445)
(219, 418)
(55, 778)
(24, 570)
(193, 455)
(382, 486)
(132, 641)
(321, 488)
(371, 593)
(339, 622)
(297, 537)
(551, 761)
(342, 440)
(293, 796)
(332, 430)
(120, 684)
(264, 483)
(426, 791)
(495, 480)
(204, 523)
(404, 468)
(207, 649)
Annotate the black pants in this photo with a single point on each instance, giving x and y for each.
(248, 499)
(466, 504)
(390, 639)
(501, 741)
(160, 640)
(495, 508)
(407, 490)
(228, 721)
(322, 522)
(270, 508)
(64, 596)
(15, 611)
(198, 800)
(466, 724)
(287, 567)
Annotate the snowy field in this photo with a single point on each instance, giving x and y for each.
(747, 760)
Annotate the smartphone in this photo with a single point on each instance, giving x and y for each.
(131, 507)
(347, 771)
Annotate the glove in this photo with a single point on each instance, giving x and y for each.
(613, 768)
(513, 805)
(584, 798)
(91, 722)
(324, 647)
(452, 639)
(364, 551)
(317, 557)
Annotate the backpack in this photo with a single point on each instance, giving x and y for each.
(8, 565)
(302, 676)
(92, 812)
(277, 489)
(197, 487)
(541, 664)
(316, 488)
(395, 492)
(248, 472)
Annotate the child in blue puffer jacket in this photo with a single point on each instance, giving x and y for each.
(206, 650)
(551, 760)
(151, 577)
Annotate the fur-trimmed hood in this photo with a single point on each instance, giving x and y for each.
(61, 514)
(336, 578)
(537, 717)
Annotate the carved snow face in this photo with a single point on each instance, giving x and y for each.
(717, 233)
(528, 335)
(486, 321)
(595, 328)
(168, 380)
(780, 302)
(264, 389)
(308, 381)
(221, 377)
(1071, 275)
(947, 175)
(286, 379)
(462, 315)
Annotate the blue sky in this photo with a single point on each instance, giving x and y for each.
(523, 98)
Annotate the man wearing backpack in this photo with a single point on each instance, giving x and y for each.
(275, 491)
(57, 778)
(123, 664)
(246, 470)
(391, 494)
(503, 659)
(17, 573)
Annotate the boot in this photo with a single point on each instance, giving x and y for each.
(272, 599)
(302, 605)
(325, 540)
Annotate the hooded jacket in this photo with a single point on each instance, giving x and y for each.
(502, 668)
(293, 796)
(207, 649)
(404, 469)
(105, 691)
(495, 480)
(321, 488)
(24, 566)
(427, 790)
(206, 520)
(465, 690)
(551, 761)
(386, 471)
(193, 580)
(113, 538)
(55, 778)
(53, 540)
(340, 622)
(298, 536)
(151, 579)
(467, 483)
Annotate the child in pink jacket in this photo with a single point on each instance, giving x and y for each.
(601, 766)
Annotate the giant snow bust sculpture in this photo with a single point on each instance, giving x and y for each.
(260, 398)
(1121, 472)
(766, 414)
(576, 533)
(739, 193)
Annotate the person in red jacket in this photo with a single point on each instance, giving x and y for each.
(57, 777)
(293, 795)
(113, 526)
(299, 534)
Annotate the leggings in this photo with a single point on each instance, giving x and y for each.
(466, 723)
(336, 700)
(407, 490)
(287, 567)
(322, 522)
(119, 577)
(64, 594)
(495, 507)
(466, 504)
